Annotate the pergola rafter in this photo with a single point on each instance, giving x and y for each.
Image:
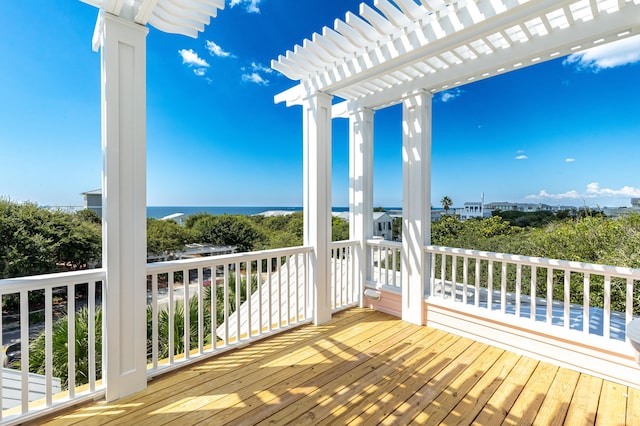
(185, 17)
(439, 45)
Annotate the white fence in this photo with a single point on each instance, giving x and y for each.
(41, 316)
(384, 264)
(595, 300)
(345, 289)
(232, 299)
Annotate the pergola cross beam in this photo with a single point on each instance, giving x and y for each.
(462, 37)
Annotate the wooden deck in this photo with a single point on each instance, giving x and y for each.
(365, 367)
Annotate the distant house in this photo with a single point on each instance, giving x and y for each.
(473, 209)
(504, 206)
(93, 201)
(382, 224)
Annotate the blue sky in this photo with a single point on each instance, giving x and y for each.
(562, 132)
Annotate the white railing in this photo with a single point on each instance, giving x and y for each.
(41, 371)
(384, 266)
(233, 299)
(345, 290)
(595, 300)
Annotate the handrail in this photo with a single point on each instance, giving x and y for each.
(596, 300)
(541, 261)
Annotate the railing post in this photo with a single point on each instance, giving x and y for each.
(123, 60)
(317, 200)
(361, 191)
(416, 200)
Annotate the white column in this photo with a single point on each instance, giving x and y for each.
(361, 189)
(123, 60)
(317, 200)
(416, 196)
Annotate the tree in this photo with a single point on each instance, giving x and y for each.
(35, 241)
(339, 229)
(165, 236)
(446, 203)
(60, 348)
(228, 230)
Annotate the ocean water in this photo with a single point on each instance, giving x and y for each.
(158, 212)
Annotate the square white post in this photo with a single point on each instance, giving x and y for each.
(416, 198)
(317, 200)
(361, 190)
(123, 61)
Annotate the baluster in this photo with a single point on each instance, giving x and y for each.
(534, 284)
(567, 299)
(48, 344)
(154, 321)
(71, 336)
(503, 287)
(606, 327)
(476, 294)
(490, 285)
(171, 309)
(518, 288)
(549, 295)
(465, 278)
(586, 303)
(186, 335)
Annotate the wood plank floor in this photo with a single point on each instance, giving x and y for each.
(363, 368)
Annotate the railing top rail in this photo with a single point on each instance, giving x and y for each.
(178, 265)
(345, 243)
(378, 242)
(540, 261)
(36, 282)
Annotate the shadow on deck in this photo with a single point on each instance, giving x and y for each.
(366, 367)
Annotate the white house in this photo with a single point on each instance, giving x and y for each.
(382, 224)
(473, 209)
(93, 201)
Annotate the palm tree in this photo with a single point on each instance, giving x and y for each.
(59, 340)
(446, 203)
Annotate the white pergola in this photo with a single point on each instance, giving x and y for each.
(120, 34)
(404, 51)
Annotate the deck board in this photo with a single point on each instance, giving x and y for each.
(366, 367)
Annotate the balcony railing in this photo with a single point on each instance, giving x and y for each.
(595, 300)
(232, 299)
(42, 318)
(384, 267)
(199, 307)
(345, 292)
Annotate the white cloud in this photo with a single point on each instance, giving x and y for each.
(216, 50)
(251, 6)
(543, 195)
(593, 190)
(521, 157)
(260, 68)
(569, 160)
(255, 74)
(450, 95)
(192, 59)
(255, 78)
(611, 55)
